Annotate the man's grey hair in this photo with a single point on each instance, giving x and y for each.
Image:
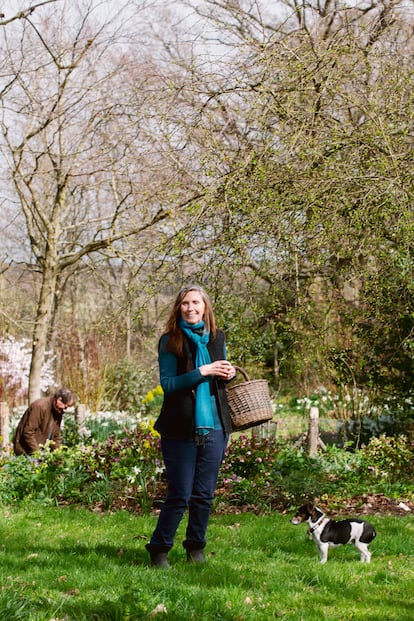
(65, 395)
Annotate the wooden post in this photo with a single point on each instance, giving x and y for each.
(4, 425)
(80, 419)
(313, 436)
(265, 430)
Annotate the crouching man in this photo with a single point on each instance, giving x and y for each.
(41, 423)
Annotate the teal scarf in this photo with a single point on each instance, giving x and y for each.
(204, 422)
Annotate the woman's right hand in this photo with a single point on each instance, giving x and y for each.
(219, 368)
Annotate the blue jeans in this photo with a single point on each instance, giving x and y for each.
(192, 473)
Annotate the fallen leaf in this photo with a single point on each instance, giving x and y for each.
(158, 609)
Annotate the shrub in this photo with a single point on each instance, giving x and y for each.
(126, 471)
(390, 457)
(265, 474)
(120, 470)
(124, 385)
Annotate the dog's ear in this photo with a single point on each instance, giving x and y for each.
(310, 507)
(315, 514)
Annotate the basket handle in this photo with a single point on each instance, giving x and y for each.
(243, 372)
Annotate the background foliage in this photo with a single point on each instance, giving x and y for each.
(124, 470)
(274, 166)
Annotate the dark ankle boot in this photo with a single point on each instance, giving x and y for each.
(158, 555)
(196, 556)
(159, 559)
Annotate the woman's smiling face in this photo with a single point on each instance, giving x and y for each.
(192, 307)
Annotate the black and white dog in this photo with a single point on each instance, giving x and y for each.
(328, 533)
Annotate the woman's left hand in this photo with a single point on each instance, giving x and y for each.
(219, 368)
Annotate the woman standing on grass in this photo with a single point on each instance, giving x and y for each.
(194, 422)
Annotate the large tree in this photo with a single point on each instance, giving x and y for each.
(76, 144)
(263, 148)
(304, 122)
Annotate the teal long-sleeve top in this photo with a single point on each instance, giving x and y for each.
(172, 382)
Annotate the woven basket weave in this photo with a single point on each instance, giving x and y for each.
(249, 402)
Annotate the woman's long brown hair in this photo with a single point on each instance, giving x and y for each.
(172, 328)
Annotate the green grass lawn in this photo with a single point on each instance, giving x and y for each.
(71, 564)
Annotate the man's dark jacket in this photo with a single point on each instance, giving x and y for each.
(40, 422)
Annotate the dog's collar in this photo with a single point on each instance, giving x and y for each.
(318, 523)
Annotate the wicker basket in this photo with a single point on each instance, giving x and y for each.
(249, 402)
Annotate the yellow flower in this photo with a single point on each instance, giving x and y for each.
(152, 394)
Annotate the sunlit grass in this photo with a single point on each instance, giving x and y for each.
(75, 565)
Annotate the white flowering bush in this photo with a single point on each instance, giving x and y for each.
(15, 357)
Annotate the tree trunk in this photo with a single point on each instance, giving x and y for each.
(41, 328)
